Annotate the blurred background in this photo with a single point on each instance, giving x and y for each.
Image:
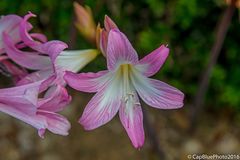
(199, 53)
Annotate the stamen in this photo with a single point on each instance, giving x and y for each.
(128, 94)
(131, 94)
(125, 82)
(125, 99)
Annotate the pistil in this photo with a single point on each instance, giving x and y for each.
(128, 94)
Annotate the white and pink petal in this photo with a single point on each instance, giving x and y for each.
(119, 50)
(26, 37)
(109, 24)
(55, 99)
(156, 93)
(56, 123)
(23, 97)
(131, 117)
(42, 120)
(75, 60)
(102, 107)
(87, 82)
(37, 122)
(151, 63)
(51, 48)
(30, 60)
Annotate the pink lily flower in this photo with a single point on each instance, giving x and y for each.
(15, 101)
(118, 87)
(49, 63)
(22, 102)
(48, 57)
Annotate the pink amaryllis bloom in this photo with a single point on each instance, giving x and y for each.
(46, 80)
(119, 87)
(47, 58)
(23, 103)
(48, 62)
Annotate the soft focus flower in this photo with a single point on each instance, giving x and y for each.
(47, 58)
(87, 27)
(85, 22)
(50, 57)
(22, 102)
(118, 87)
(48, 62)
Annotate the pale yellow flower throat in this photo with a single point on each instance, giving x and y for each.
(128, 92)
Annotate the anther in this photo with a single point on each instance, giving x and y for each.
(131, 94)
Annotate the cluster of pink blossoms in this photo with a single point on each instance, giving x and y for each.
(41, 69)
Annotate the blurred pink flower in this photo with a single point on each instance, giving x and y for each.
(118, 87)
(48, 58)
(48, 61)
(23, 103)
